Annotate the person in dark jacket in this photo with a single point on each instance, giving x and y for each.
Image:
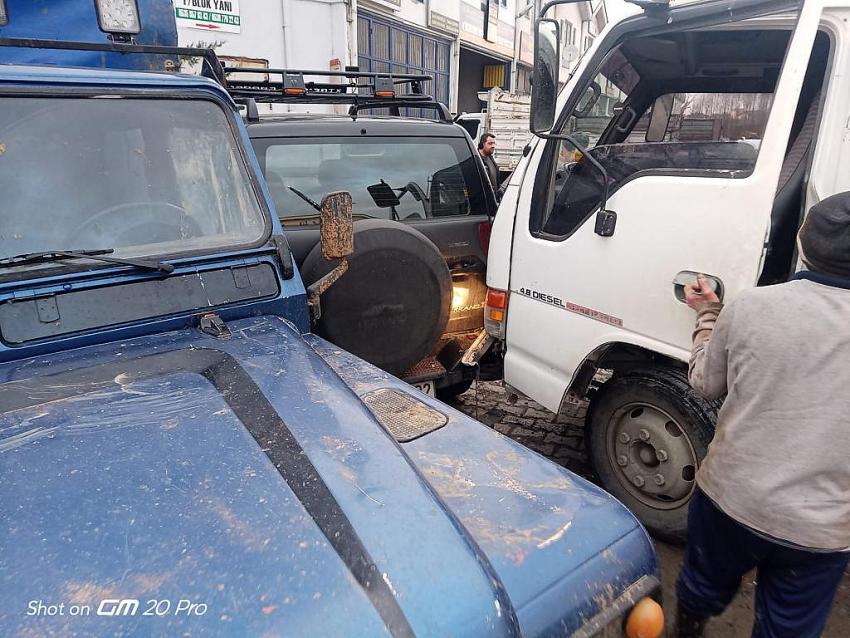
(486, 148)
(773, 492)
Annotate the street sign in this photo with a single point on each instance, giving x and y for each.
(208, 15)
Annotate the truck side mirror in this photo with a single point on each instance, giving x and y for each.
(659, 118)
(547, 64)
(606, 222)
(336, 226)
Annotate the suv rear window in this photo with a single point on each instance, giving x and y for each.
(430, 177)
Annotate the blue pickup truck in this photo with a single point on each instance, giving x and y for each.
(179, 455)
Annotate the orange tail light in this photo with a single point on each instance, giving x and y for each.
(495, 312)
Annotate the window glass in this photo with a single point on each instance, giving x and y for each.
(409, 53)
(523, 80)
(362, 37)
(603, 100)
(706, 131)
(712, 117)
(427, 177)
(471, 127)
(601, 104)
(140, 176)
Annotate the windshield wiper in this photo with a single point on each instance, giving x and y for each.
(97, 255)
(305, 198)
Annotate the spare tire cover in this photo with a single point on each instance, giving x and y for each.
(392, 305)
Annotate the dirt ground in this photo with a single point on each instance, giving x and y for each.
(561, 438)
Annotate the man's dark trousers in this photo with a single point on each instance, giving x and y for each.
(794, 587)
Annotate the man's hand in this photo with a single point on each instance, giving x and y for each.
(699, 294)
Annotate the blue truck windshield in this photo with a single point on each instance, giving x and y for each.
(145, 177)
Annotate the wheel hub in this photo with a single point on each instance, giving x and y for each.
(646, 454)
(652, 456)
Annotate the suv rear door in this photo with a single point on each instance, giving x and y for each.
(439, 186)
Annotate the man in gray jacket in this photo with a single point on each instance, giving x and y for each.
(774, 489)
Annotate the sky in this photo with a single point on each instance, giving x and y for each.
(619, 8)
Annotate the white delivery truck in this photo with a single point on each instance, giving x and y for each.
(505, 115)
(731, 120)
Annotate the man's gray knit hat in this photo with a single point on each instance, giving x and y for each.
(824, 239)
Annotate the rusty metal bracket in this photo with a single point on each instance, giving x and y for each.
(478, 348)
(315, 290)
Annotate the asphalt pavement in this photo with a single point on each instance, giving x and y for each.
(560, 437)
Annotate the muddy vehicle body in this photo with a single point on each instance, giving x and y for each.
(180, 454)
(413, 300)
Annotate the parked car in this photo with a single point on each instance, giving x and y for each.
(412, 301)
(179, 454)
(725, 131)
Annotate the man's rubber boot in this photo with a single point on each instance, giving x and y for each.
(688, 625)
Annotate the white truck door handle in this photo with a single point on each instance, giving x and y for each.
(686, 277)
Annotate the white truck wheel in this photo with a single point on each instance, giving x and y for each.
(648, 433)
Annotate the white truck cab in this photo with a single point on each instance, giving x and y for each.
(690, 139)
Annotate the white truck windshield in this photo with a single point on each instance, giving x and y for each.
(144, 177)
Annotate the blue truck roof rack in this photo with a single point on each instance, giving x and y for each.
(210, 68)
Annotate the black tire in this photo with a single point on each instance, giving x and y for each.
(392, 306)
(451, 391)
(668, 427)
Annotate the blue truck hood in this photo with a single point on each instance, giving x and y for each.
(244, 483)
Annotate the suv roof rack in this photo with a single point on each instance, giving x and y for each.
(293, 89)
(211, 67)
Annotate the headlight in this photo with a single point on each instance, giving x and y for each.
(4, 17)
(118, 16)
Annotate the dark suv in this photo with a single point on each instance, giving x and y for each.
(412, 300)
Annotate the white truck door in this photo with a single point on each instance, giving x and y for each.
(696, 199)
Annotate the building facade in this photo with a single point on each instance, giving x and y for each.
(466, 46)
